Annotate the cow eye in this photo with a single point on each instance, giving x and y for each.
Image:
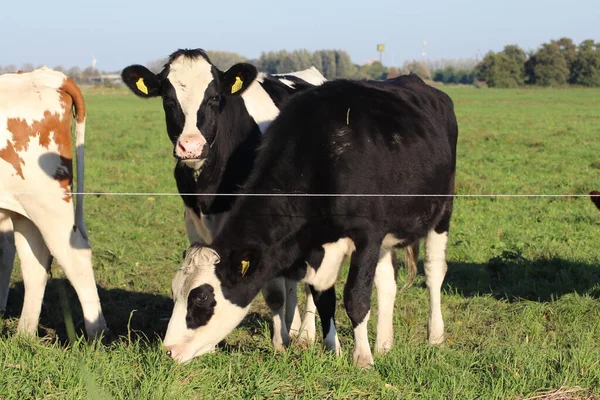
(202, 297)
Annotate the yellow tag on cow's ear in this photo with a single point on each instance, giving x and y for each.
(237, 85)
(245, 266)
(141, 86)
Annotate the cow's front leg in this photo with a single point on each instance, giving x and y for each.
(274, 294)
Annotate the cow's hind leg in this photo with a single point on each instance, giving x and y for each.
(73, 253)
(274, 294)
(35, 262)
(325, 303)
(7, 256)
(309, 329)
(292, 313)
(435, 271)
(357, 297)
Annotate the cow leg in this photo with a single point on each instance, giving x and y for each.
(435, 271)
(385, 282)
(357, 298)
(274, 294)
(325, 302)
(7, 256)
(73, 253)
(309, 329)
(35, 263)
(292, 313)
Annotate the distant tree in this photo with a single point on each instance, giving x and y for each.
(505, 69)
(374, 70)
(568, 50)
(75, 74)
(549, 65)
(393, 72)
(416, 68)
(27, 67)
(225, 59)
(585, 69)
(156, 65)
(450, 74)
(60, 68)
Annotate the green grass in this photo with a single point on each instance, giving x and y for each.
(521, 297)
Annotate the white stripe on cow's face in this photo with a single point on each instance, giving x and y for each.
(190, 77)
(182, 341)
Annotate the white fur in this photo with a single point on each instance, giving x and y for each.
(326, 274)
(190, 78)
(183, 343)
(362, 351)
(7, 256)
(386, 294)
(435, 271)
(260, 106)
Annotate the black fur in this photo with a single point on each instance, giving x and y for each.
(344, 137)
(200, 306)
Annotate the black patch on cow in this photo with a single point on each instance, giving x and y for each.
(595, 196)
(200, 306)
(279, 92)
(275, 300)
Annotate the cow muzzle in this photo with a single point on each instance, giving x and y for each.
(191, 147)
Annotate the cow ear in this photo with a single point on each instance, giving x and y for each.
(141, 81)
(237, 79)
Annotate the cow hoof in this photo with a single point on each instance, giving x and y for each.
(363, 360)
(383, 348)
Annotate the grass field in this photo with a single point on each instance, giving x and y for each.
(521, 298)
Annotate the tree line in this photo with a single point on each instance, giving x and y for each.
(556, 63)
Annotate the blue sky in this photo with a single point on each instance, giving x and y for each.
(119, 33)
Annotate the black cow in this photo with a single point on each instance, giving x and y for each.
(215, 121)
(595, 196)
(370, 166)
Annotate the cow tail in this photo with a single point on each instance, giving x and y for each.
(71, 88)
(411, 255)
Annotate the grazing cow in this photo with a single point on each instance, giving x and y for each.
(35, 192)
(377, 161)
(215, 136)
(595, 197)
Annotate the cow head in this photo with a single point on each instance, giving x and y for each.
(193, 92)
(208, 301)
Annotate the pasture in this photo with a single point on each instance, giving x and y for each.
(521, 299)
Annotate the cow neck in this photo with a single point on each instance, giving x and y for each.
(231, 157)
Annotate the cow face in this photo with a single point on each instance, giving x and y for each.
(193, 92)
(202, 316)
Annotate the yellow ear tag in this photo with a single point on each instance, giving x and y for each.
(237, 85)
(141, 86)
(245, 266)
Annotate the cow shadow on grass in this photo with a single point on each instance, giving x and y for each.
(129, 314)
(512, 277)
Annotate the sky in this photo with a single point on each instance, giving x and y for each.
(119, 33)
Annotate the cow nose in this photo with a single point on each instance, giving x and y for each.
(190, 146)
(169, 352)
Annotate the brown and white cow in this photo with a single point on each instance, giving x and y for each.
(36, 203)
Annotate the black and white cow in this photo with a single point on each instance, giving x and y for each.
(215, 132)
(595, 197)
(377, 160)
